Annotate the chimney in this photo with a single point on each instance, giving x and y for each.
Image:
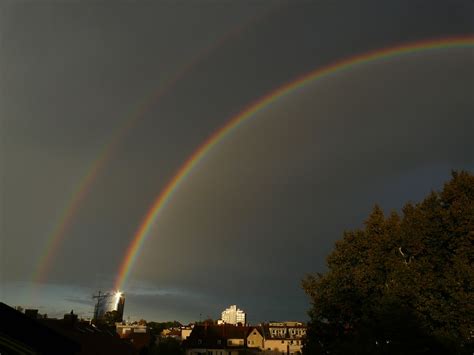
(70, 318)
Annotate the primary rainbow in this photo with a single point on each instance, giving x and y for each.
(165, 195)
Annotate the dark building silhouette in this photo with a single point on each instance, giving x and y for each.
(31, 313)
(93, 339)
(22, 334)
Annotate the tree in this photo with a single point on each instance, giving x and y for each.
(208, 321)
(111, 317)
(157, 327)
(400, 280)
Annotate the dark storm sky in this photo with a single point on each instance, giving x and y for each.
(265, 206)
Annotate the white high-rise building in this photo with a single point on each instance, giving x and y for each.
(233, 315)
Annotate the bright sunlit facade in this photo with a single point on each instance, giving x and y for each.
(109, 302)
(234, 315)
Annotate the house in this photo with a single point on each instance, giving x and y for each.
(93, 339)
(23, 334)
(255, 338)
(186, 331)
(223, 339)
(28, 334)
(137, 334)
(268, 338)
(283, 337)
(174, 333)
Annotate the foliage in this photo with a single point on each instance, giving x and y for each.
(157, 327)
(402, 284)
(111, 317)
(208, 320)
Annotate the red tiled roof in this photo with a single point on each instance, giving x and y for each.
(216, 336)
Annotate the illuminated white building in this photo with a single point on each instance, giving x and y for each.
(233, 315)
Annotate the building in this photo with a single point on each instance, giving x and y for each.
(123, 330)
(227, 339)
(22, 334)
(283, 337)
(233, 315)
(109, 302)
(174, 333)
(255, 339)
(186, 331)
(213, 339)
(137, 334)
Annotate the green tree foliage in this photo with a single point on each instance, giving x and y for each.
(111, 317)
(208, 320)
(401, 284)
(157, 327)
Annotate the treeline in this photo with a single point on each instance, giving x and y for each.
(402, 284)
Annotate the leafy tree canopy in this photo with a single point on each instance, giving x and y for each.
(111, 317)
(402, 284)
(157, 327)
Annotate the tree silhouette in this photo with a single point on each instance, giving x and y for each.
(401, 284)
(111, 317)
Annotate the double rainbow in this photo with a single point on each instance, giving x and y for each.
(162, 200)
(65, 220)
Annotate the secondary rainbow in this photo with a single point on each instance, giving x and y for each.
(164, 197)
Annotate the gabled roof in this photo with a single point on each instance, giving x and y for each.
(94, 339)
(259, 329)
(216, 336)
(20, 331)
